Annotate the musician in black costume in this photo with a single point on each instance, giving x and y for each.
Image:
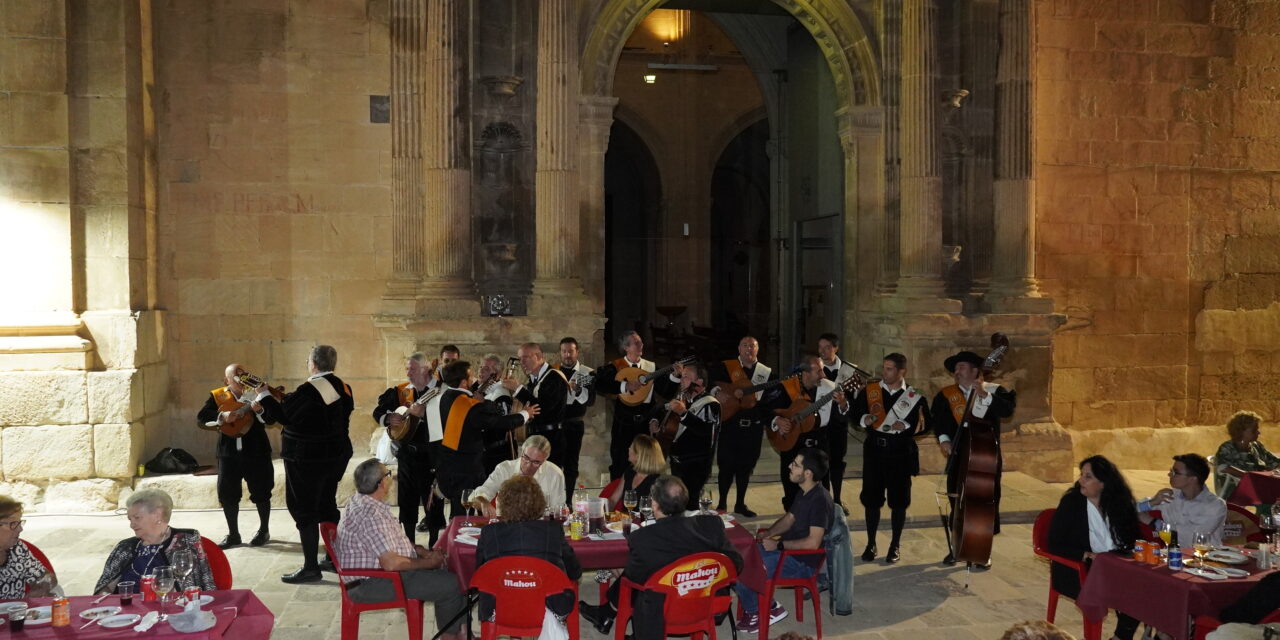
(581, 395)
(246, 458)
(315, 449)
(414, 472)
(892, 413)
(994, 403)
(697, 416)
(458, 425)
(738, 447)
(837, 371)
(814, 386)
(549, 390)
(628, 421)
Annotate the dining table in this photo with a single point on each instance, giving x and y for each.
(1161, 597)
(240, 616)
(599, 552)
(1257, 487)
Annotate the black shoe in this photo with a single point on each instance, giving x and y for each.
(232, 540)
(977, 566)
(742, 510)
(600, 616)
(305, 574)
(949, 560)
(869, 553)
(260, 538)
(894, 555)
(327, 565)
(423, 526)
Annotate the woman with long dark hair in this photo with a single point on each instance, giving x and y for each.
(1096, 515)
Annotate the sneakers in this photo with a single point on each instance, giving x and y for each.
(776, 612)
(748, 622)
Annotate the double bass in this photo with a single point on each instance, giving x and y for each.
(975, 459)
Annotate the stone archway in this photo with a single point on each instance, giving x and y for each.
(847, 45)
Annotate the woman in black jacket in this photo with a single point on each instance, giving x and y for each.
(1096, 515)
(522, 533)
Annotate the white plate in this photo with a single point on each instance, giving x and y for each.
(1232, 572)
(39, 615)
(1226, 557)
(615, 527)
(120, 620)
(204, 599)
(1204, 573)
(99, 612)
(4, 606)
(469, 531)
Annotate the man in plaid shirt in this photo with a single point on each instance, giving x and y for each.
(370, 537)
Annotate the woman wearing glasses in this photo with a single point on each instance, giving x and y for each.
(18, 567)
(1187, 505)
(153, 544)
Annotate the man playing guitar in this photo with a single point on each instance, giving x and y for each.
(244, 457)
(812, 385)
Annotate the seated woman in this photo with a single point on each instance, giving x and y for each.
(1096, 515)
(1188, 505)
(19, 569)
(522, 533)
(647, 463)
(1242, 454)
(153, 545)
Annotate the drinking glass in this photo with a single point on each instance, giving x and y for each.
(704, 501)
(1200, 544)
(17, 613)
(466, 501)
(126, 589)
(1165, 530)
(630, 499)
(183, 562)
(164, 586)
(647, 512)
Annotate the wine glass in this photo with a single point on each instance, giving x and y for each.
(1165, 531)
(163, 586)
(1200, 545)
(465, 498)
(183, 563)
(647, 512)
(630, 499)
(704, 501)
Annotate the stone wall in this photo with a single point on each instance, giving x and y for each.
(1157, 226)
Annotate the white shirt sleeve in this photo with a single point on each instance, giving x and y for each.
(500, 474)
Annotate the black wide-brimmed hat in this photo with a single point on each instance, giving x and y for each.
(964, 356)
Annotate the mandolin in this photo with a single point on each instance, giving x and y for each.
(242, 417)
(627, 374)
(803, 414)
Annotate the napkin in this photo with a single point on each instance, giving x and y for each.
(466, 539)
(148, 621)
(193, 605)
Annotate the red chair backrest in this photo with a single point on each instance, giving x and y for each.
(218, 564)
(520, 586)
(607, 492)
(690, 585)
(1040, 532)
(328, 532)
(1241, 526)
(39, 555)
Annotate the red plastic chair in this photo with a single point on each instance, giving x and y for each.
(690, 585)
(1205, 624)
(1040, 545)
(39, 555)
(218, 565)
(351, 609)
(608, 490)
(1249, 522)
(810, 584)
(520, 586)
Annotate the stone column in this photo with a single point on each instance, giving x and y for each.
(1015, 185)
(595, 115)
(920, 236)
(556, 204)
(862, 139)
(408, 43)
(446, 152)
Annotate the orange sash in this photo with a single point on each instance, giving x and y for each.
(225, 399)
(794, 390)
(620, 364)
(955, 398)
(737, 375)
(404, 391)
(457, 415)
(875, 403)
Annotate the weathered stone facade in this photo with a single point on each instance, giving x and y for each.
(186, 184)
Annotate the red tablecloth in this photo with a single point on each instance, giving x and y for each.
(1156, 595)
(253, 619)
(1257, 487)
(604, 554)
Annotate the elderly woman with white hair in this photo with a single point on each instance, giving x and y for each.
(153, 544)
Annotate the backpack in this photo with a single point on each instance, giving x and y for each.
(171, 460)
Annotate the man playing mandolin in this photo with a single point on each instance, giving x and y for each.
(947, 412)
(414, 473)
(246, 456)
(630, 418)
(743, 430)
(810, 388)
(689, 422)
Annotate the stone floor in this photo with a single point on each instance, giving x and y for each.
(917, 598)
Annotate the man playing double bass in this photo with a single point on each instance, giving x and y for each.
(993, 403)
(414, 473)
(738, 449)
(247, 457)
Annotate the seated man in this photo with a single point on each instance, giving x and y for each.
(532, 462)
(802, 527)
(672, 537)
(370, 537)
(1188, 505)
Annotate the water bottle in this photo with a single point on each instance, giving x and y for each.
(1175, 553)
(580, 501)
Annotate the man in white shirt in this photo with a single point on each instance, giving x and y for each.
(532, 462)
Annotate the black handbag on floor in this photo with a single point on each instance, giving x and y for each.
(171, 460)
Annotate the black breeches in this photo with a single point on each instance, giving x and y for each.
(255, 471)
(311, 489)
(886, 477)
(573, 432)
(414, 477)
(694, 474)
(624, 430)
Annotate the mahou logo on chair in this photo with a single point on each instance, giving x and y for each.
(698, 575)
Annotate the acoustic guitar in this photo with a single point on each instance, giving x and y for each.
(736, 396)
(242, 417)
(803, 414)
(645, 378)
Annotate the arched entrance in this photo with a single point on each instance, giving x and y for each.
(845, 46)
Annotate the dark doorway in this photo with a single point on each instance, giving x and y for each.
(741, 282)
(632, 202)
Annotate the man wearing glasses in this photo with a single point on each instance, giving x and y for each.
(532, 462)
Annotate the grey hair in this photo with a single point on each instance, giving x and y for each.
(418, 356)
(368, 475)
(324, 357)
(541, 443)
(493, 356)
(626, 339)
(152, 500)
